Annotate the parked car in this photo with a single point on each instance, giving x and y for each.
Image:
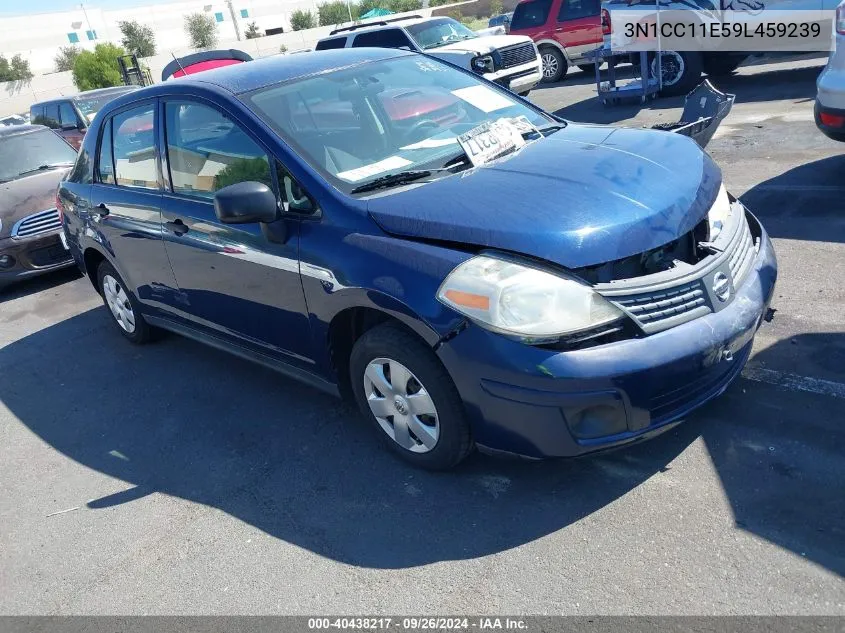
(203, 60)
(563, 30)
(830, 100)
(13, 119)
(71, 116)
(33, 159)
(509, 60)
(506, 305)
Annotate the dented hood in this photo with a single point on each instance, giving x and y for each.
(582, 196)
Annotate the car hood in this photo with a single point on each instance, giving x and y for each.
(580, 197)
(24, 196)
(482, 45)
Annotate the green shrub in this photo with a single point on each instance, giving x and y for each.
(15, 69)
(65, 58)
(201, 29)
(398, 6)
(138, 38)
(336, 12)
(98, 69)
(252, 31)
(301, 20)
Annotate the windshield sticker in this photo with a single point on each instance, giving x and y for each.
(430, 67)
(359, 173)
(483, 98)
(491, 140)
(431, 143)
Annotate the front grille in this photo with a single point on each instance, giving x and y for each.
(662, 309)
(37, 223)
(742, 255)
(517, 55)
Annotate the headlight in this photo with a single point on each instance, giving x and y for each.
(525, 302)
(483, 64)
(719, 213)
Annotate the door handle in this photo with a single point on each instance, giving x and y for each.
(101, 210)
(177, 227)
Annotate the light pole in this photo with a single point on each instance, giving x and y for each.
(87, 21)
(234, 19)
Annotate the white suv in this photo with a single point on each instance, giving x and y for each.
(508, 60)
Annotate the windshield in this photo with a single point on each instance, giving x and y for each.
(89, 106)
(434, 33)
(24, 153)
(359, 123)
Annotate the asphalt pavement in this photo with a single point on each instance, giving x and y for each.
(176, 479)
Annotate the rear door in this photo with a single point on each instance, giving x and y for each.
(383, 38)
(239, 281)
(126, 203)
(578, 26)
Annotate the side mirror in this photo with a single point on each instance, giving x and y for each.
(246, 202)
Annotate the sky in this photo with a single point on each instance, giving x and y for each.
(13, 7)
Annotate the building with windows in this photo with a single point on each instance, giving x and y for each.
(38, 38)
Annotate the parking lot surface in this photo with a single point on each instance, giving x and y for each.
(176, 479)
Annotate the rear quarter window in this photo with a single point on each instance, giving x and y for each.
(530, 14)
(325, 45)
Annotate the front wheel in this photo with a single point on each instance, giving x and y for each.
(401, 386)
(681, 71)
(554, 65)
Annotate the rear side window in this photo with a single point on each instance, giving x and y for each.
(67, 115)
(337, 42)
(388, 38)
(133, 148)
(575, 9)
(530, 14)
(36, 114)
(105, 160)
(207, 151)
(50, 118)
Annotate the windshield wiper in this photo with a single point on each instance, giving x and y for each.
(392, 180)
(44, 168)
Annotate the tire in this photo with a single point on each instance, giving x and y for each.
(587, 68)
(721, 65)
(690, 66)
(554, 65)
(525, 93)
(437, 441)
(127, 318)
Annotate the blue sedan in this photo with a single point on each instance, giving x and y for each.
(474, 272)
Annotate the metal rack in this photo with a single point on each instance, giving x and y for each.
(610, 92)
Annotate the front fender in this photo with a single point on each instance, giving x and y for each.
(398, 277)
(554, 44)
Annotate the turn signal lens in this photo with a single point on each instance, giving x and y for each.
(831, 120)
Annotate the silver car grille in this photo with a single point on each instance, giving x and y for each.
(37, 223)
(517, 55)
(658, 310)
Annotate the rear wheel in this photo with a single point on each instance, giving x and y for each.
(401, 386)
(122, 305)
(554, 64)
(681, 71)
(587, 68)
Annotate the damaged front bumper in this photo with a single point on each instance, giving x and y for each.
(540, 403)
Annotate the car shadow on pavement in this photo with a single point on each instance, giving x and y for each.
(816, 211)
(185, 420)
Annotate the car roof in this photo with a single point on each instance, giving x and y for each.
(88, 93)
(377, 25)
(15, 130)
(240, 78)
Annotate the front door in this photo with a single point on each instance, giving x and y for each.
(238, 281)
(126, 204)
(579, 26)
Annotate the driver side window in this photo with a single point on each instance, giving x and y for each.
(207, 151)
